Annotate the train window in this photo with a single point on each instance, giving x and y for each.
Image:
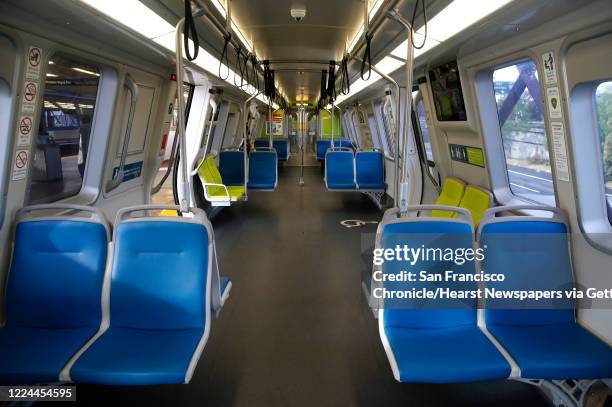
(389, 124)
(603, 98)
(376, 141)
(523, 131)
(62, 142)
(424, 131)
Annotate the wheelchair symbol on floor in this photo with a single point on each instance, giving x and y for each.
(355, 223)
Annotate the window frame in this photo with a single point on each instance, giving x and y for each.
(101, 124)
(607, 202)
(492, 134)
(593, 214)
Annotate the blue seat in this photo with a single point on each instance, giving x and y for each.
(53, 293)
(370, 170)
(322, 146)
(340, 170)
(542, 336)
(282, 149)
(160, 302)
(231, 167)
(263, 170)
(434, 341)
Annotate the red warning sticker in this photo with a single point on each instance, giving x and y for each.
(34, 58)
(20, 165)
(30, 93)
(24, 131)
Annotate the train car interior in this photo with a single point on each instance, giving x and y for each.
(306, 202)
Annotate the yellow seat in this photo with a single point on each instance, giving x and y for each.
(214, 189)
(477, 201)
(451, 194)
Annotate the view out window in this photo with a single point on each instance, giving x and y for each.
(424, 130)
(64, 130)
(389, 123)
(521, 119)
(603, 97)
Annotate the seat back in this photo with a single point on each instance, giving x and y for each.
(533, 254)
(160, 276)
(57, 268)
(451, 194)
(282, 149)
(477, 201)
(231, 167)
(208, 171)
(262, 143)
(340, 169)
(369, 168)
(263, 170)
(209, 174)
(322, 146)
(427, 233)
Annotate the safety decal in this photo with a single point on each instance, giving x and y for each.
(34, 62)
(554, 103)
(560, 150)
(550, 71)
(29, 101)
(30, 94)
(24, 131)
(20, 164)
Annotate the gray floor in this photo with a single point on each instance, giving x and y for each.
(296, 330)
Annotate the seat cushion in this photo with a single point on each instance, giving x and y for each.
(446, 355)
(558, 351)
(38, 355)
(125, 356)
(235, 192)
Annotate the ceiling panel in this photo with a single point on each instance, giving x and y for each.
(321, 35)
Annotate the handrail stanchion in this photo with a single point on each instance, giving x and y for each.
(408, 108)
(302, 124)
(244, 143)
(178, 43)
(397, 125)
(270, 118)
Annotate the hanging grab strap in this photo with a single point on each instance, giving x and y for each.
(331, 81)
(224, 56)
(367, 58)
(189, 30)
(345, 84)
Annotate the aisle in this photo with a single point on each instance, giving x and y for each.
(296, 330)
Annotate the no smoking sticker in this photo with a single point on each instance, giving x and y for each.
(24, 131)
(20, 165)
(30, 93)
(34, 58)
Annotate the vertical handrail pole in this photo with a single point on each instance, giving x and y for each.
(397, 124)
(332, 123)
(270, 118)
(408, 108)
(184, 185)
(245, 142)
